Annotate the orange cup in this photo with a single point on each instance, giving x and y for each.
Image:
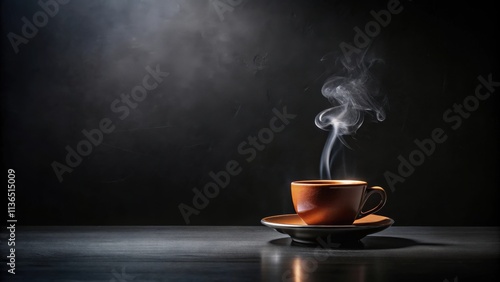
(333, 202)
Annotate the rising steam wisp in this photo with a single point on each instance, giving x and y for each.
(353, 94)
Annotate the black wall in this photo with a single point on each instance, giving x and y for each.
(227, 72)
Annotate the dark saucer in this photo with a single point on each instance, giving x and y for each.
(300, 232)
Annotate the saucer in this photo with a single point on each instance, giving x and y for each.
(292, 225)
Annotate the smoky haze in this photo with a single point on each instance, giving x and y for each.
(353, 92)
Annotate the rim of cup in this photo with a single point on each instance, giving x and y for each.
(328, 182)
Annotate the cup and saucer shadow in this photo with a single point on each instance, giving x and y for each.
(367, 243)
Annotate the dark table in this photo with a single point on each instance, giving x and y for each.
(234, 253)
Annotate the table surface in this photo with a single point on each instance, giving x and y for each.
(249, 253)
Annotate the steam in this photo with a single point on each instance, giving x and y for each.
(354, 93)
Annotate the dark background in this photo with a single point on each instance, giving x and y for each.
(226, 76)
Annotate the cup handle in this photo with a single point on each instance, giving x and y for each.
(369, 192)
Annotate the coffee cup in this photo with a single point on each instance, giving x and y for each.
(333, 202)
